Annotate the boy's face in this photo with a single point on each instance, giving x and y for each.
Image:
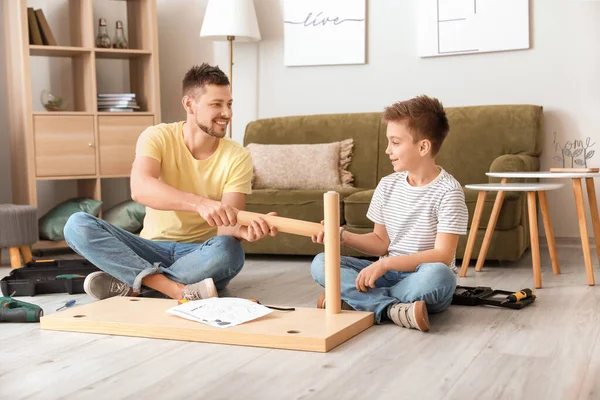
(212, 109)
(404, 152)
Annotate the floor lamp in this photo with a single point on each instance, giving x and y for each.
(230, 20)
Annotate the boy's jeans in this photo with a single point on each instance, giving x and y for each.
(130, 258)
(433, 282)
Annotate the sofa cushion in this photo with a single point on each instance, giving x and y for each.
(302, 166)
(305, 205)
(357, 205)
(364, 128)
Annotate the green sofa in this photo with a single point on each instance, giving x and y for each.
(481, 139)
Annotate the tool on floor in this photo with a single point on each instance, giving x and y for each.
(68, 304)
(12, 310)
(482, 295)
(518, 296)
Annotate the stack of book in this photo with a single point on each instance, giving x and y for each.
(118, 102)
(39, 30)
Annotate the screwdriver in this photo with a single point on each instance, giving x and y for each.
(68, 304)
(518, 296)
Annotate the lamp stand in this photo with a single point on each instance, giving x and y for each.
(230, 39)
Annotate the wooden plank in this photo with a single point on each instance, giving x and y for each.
(308, 329)
(121, 53)
(57, 51)
(575, 170)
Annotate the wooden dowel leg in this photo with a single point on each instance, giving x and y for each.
(285, 225)
(535, 243)
(591, 191)
(489, 232)
(549, 231)
(473, 233)
(583, 232)
(333, 302)
(26, 253)
(15, 257)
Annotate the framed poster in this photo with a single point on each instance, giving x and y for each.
(447, 27)
(324, 32)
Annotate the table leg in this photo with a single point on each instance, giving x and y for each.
(549, 231)
(591, 191)
(583, 232)
(473, 233)
(535, 243)
(487, 239)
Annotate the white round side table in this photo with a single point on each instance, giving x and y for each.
(531, 189)
(577, 179)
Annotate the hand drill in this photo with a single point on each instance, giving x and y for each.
(19, 311)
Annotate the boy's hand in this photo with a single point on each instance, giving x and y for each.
(320, 238)
(259, 229)
(367, 277)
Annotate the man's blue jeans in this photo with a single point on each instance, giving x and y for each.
(130, 258)
(434, 283)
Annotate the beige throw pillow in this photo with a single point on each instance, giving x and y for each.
(302, 166)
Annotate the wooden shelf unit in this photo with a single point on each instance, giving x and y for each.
(81, 144)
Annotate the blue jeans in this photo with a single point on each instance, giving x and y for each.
(434, 283)
(130, 258)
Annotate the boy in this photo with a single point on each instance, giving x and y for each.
(193, 181)
(419, 212)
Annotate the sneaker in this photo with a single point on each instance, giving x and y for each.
(410, 315)
(201, 290)
(101, 285)
(321, 303)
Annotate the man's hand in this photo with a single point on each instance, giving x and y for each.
(320, 238)
(258, 229)
(216, 213)
(367, 277)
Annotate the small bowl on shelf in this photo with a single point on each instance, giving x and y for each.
(52, 102)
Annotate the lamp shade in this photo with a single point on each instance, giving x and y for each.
(230, 18)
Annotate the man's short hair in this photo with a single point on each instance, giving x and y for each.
(201, 75)
(425, 117)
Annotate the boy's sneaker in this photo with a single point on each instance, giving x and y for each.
(321, 303)
(101, 285)
(410, 315)
(201, 290)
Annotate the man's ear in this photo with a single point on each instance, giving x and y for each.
(187, 102)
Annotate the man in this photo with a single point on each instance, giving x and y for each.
(418, 212)
(193, 181)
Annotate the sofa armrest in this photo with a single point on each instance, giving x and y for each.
(514, 163)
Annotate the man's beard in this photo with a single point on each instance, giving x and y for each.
(211, 132)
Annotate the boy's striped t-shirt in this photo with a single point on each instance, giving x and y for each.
(413, 215)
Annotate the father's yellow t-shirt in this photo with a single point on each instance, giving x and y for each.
(228, 169)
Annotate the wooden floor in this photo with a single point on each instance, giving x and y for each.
(549, 350)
